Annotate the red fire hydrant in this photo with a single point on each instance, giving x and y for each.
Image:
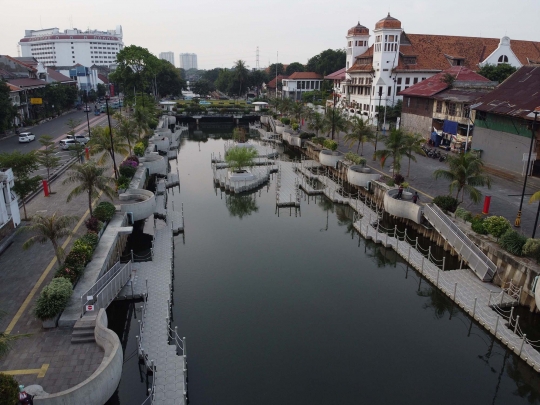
(487, 202)
(45, 188)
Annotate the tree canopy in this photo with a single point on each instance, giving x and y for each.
(327, 61)
(7, 110)
(497, 73)
(272, 69)
(294, 67)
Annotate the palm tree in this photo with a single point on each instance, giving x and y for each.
(465, 172)
(413, 144)
(396, 148)
(359, 132)
(90, 178)
(126, 129)
(101, 143)
(141, 118)
(275, 103)
(317, 123)
(6, 339)
(336, 121)
(241, 73)
(298, 109)
(49, 228)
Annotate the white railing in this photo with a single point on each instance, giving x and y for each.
(106, 291)
(484, 268)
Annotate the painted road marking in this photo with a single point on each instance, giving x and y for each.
(39, 371)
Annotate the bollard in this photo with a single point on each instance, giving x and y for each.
(522, 343)
(422, 264)
(489, 299)
(515, 327)
(502, 297)
(437, 279)
(455, 288)
(409, 256)
(443, 263)
(474, 307)
(416, 247)
(429, 253)
(511, 315)
(132, 255)
(395, 232)
(461, 264)
(496, 325)
(185, 348)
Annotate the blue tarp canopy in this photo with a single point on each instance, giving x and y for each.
(450, 127)
(435, 138)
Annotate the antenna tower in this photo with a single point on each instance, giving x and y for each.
(257, 67)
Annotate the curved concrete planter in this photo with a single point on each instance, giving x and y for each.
(156, 164)
(356, 175)
(402, 208)
(279, 129)
(264, 119)
(407, 195)
(162, 142)
(292, 139)
(329, 158)
(141, 203)
(100, 386)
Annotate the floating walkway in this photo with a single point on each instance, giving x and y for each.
(174, 219)
(172, 154)
(173, 179)
(288, 186)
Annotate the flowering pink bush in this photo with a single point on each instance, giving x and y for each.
(129, 163)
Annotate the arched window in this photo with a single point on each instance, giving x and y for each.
(503, 59)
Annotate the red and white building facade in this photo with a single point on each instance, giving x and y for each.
(73, 46)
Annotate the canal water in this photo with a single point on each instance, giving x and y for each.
(295, 308)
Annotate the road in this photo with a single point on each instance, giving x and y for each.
(56, 128)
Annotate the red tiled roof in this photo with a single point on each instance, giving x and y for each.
(27, 82)
(21, 63)
(388, 22)
(517, 96)
(272, 83)
(57, 76)
(358, 30)
(103, 78)
(339, 75)
(435, 84)
(13, 87)
(305, 75)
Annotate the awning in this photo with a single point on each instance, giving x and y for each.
(450, 127)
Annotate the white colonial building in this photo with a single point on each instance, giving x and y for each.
(300, 82)
(378, 68)
(73, 46)
(9, 207)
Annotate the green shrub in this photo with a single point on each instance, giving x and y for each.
(496, 226)
(139, 149)
(398, 179)
(123, 182)
(464, 214)
(153, 123)
(513, 242)
(330, 144)
(446, 202)
(286, 121)
(104, 211)
(319, 140)
(93, 224)
(53, 298)
(127, 171)
(477, 225)
(83, 248)
(90, 238)
(307, 135)
(72, 273)
(295, 126)
(390, 182)
(9, 390)
(75, 258)
(356, 159)
(532, 249)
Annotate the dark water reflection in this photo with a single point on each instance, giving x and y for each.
(300, 310)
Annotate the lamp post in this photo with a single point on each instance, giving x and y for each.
(86, 108)
(110, 133)
(380, 83)
(517, 222)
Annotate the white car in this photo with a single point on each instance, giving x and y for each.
(66, 143)
(79, 138)
(25, 137)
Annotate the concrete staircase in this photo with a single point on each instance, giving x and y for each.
(83, 331)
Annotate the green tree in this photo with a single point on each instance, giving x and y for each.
(47, 156)
(141, 117)
(211, 75)
(6, 340)
(336, 121)
(256, 79)
(7, 111)
(241, 74)
(168, 79)
(239, 157)
(358, 132)
(497, 73)
(294, 67)
(413, 145)
(72, 124)
(125, 129)
(465, 172)
(317, 123)
(101, 90)
(298, 110)
(101, 144)
(396, 147)
(23, 165)
(327, 61)
(90, 178)
(77, 150)
(272, 70)
(202, 87)
(49, 229)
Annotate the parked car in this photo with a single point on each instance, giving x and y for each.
(25, 137)
(66, 143)
(79, 138)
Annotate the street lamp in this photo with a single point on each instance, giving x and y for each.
(517, 222)
(86, 108)
(380, 83)
(110, 133)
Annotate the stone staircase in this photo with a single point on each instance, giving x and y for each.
(83, 331)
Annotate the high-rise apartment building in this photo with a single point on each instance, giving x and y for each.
(55, 48)
(168, 56)
(188, 61)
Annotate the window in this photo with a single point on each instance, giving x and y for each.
(466, 111)
(349, 43)
(451, 108)
(415, 80)
(399, 80)
(439, 106)
(398, 89)
(503, 59)
(407, 80)
(389, 91)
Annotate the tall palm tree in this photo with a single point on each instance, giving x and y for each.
(465, 172)
(126, 129)
(49, 228)
(297, 109)
(286, 106)
(275, 103)
(396, 148)
(90, 178)
(336, 121)
(141, 118)
(413, 144)
(7, 339)
(241, 73)
(317, 123)
(101, 143)
(359, 132)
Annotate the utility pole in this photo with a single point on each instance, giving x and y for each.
(110, 133)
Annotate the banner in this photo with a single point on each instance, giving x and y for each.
(36, 101)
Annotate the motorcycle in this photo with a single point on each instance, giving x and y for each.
(443, 157)
(24, 397)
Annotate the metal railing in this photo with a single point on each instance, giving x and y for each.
(107, 287)
(484, 268)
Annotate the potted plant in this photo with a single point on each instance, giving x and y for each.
(407, 195)
(52, 301)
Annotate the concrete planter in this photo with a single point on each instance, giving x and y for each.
(51, 322)
(279, 129)
(401, 208)
(329, 158)
(407, 195)
(366, 170)
(141, 203)
(357, 175)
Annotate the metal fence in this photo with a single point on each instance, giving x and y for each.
(484, 268)
(105, 290)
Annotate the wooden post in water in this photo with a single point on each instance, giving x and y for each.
(516, 326)
(522, 343)
(496, 325)
(474, 307)
(455, 288)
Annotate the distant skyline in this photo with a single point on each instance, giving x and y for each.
(222, 32)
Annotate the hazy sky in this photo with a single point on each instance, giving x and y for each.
(222, 31)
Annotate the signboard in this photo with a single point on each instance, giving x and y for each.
(36, 101)
(89, 308)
